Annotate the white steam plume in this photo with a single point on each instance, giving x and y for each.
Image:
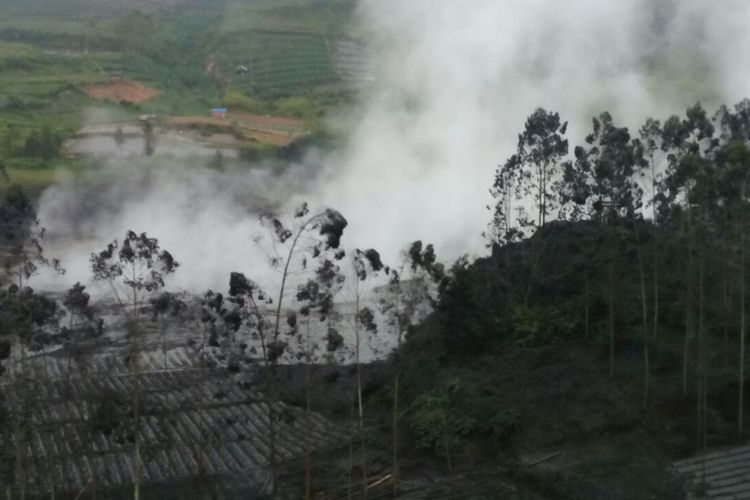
(455, 82)
(458, 79)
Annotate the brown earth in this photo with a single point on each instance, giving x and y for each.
(249, 129)
(270, 121)
(129, 91)
(186, 121)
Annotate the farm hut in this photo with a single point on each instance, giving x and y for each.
(219, 113)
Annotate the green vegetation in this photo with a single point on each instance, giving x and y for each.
(302, 16)
(277, 63)
(49, 53)
(613, 335)
(275, 49)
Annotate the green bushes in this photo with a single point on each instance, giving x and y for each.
(439, 423)
(16, 142)
(519, 297)
(445, 419)
(235, 100)
(43, 144)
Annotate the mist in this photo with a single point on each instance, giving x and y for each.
(454, 84)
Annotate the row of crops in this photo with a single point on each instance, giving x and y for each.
(282, 61)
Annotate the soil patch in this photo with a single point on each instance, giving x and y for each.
(129, 91)
(273, 135)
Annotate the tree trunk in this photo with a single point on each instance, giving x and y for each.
(726, 314)
(395, 435)
(269, 372)
(611, 321)
(611, 275)
(702, 390)
(360, 411)
(688, 307)
(137, 448)
(537, 259)
(272, 427)
(22, 404)
(308, 383)
(741, 402)
(350, 479)
(447, 447)
(586, 302)
(656, 286)
(272, 372)
(644, 310)
(655, 250)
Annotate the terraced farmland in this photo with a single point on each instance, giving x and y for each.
(279, 61)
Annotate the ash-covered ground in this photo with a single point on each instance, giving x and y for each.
(172, 336)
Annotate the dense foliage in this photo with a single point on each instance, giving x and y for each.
(641, 262)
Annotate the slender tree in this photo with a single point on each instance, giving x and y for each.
(133, 270)
(739, 162)
(601, 182)
(689, 144)
(650, 134)
(366, 265)
(316, 297)
(735, 128)
(291, 248)
(166, 306)
(532, 170)
(411, 289)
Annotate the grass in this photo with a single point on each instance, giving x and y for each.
(286, 62)
(11, 50)
(631, 465)
(178, 104)
(298, 16)
(34, 176)
(49, 26)
(286, 44)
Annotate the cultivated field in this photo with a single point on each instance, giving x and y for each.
(177, 59)
(128, 91)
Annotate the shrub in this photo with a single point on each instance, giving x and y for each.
(236, 100)
(439, 422)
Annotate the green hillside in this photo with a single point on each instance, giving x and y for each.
(192, 51)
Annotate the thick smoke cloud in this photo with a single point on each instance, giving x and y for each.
(207, 218)
(454, 84)
(458, 79)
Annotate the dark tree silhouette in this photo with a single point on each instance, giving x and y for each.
(530, 172)
(291, 249)
(134, 270)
